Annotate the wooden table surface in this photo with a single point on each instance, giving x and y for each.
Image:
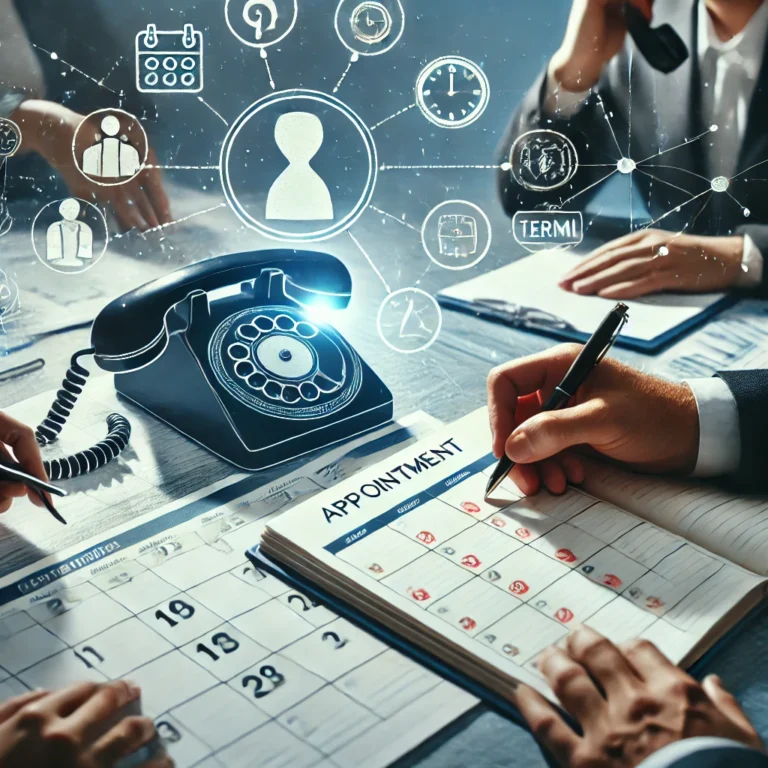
(447, 381)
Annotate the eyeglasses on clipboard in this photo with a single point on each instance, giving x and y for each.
(519, 316)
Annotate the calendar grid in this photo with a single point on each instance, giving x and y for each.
(608, 591)
(142, 602)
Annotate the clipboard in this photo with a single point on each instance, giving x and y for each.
(525, 295)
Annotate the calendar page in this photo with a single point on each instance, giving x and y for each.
(231, 661)
(488, 585)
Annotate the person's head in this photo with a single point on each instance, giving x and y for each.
(69, 209)
(110, 125)
(299, 136)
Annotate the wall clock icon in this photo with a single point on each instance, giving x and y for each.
(452, 92)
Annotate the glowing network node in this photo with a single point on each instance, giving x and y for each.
(626, 165)
(663, 251)
(720, 184)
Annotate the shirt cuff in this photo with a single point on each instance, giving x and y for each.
(709, 751)
(558, 102)
(719, 433)
(751, 274)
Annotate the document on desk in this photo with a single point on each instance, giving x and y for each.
(486, 586)
(232, 662)
(532, 282)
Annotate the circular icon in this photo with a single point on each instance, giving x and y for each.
(541, 160)
(70, 235)
(110, 147)
(298, 165)
(456, 235)
(10, 304)
(409, 320)
(452, 92)
(260, 23)
(371, 23)
(369, 28)
(10, 137)
(277, 363)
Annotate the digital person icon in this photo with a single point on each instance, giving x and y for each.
(111, 156)
(299, 194)
(69, 242)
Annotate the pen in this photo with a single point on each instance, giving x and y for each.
(591, 354)
(12, 472)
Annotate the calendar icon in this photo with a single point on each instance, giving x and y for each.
(169, 62)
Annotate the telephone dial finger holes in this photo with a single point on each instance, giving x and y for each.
(245, 368)
(248, 332)
(309, 391)
(306, 330)
(257, 381)
(264, 323)
(276, 361)
(239, 351)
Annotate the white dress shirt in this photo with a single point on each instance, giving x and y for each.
(729, 71)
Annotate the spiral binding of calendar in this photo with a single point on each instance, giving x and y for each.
(96, 456)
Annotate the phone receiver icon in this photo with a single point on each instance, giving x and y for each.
(662, 47)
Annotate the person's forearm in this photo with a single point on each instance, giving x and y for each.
(36, 118)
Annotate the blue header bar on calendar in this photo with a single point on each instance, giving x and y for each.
(414, 502)
(46, 577)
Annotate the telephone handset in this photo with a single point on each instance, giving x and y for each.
(248, 373)
(662, 47)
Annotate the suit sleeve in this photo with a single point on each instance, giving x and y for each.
(759, 235)
(750, 390)
(587, 129)
(706, 752)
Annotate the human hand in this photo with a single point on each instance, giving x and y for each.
(49, 129)
(66, 728)
(630, 702)
(650, 424)
(595, 34)
(652, 260)
(18, 444)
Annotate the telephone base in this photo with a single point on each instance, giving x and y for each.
(243, 437)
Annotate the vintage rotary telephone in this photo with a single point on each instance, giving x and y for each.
(249, 373)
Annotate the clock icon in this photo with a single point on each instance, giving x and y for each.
(452, 92)
(371, 23)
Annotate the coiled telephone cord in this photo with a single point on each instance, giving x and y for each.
(96, 456)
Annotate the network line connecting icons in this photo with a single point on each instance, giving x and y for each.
(317, 166)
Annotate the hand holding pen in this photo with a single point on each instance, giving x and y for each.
(21, 468)
(617, 412)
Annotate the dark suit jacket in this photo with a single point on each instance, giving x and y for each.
(750, 389)
(664, 112)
